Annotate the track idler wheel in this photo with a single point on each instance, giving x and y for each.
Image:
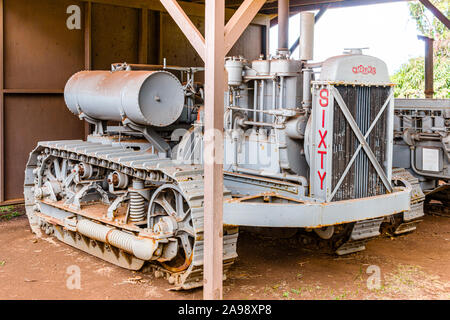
(169, 212)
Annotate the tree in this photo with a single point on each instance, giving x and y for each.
(410, 77)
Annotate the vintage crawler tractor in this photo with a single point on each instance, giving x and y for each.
(309, 153)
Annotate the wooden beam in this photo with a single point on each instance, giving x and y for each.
(33, 91)
(437, 13)
(213, 144)
(12, 202)
(87, 49)
(190, 8)
(240, 21)
(160, 38)
(88, 35)
(2, 106)
(187, 27)
(143, 36)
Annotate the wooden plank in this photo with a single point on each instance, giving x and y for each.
(213, 144)
(190, 8)
(240, 21)
(33, 91)
(12, 202)
(143, 36)
(161, 38)
(87, 50)
(2, 110)
(187, 27)
(88, 35)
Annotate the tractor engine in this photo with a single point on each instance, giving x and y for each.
(333, 135)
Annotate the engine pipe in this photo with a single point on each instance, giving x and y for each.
(283, 25)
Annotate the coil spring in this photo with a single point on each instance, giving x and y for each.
(137, 203)
(121, 240)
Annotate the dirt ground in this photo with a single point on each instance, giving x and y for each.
(413, 266)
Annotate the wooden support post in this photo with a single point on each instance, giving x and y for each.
(87, 35)
(212, 50)
(143, 36)
(2, 109)
(213, 144)
(87, 49)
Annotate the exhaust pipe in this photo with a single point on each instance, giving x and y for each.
(307, 21)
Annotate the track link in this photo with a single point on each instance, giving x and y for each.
(407, 221)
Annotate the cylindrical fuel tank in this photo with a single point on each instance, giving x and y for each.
(154, 98)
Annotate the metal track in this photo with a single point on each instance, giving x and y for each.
(189, 178)
(361, 233)
(438, 201)
(407, 221)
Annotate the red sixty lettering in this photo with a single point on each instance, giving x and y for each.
(321, 179)
(323, 118)
(322, 139)
(322, 153)
(323, 101)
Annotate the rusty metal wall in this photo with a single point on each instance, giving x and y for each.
(39, 53)
(115, 35)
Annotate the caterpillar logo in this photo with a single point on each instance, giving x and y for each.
(364, 70)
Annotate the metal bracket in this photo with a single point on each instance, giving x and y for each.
(160, 144)
(115, 205)
(362, 141)
(99, 124)
(75, 200)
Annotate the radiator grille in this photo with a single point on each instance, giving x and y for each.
(362, 180)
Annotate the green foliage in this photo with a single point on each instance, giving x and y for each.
(410, 82)
(410, 78)
(426, 23)
(9, 212)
